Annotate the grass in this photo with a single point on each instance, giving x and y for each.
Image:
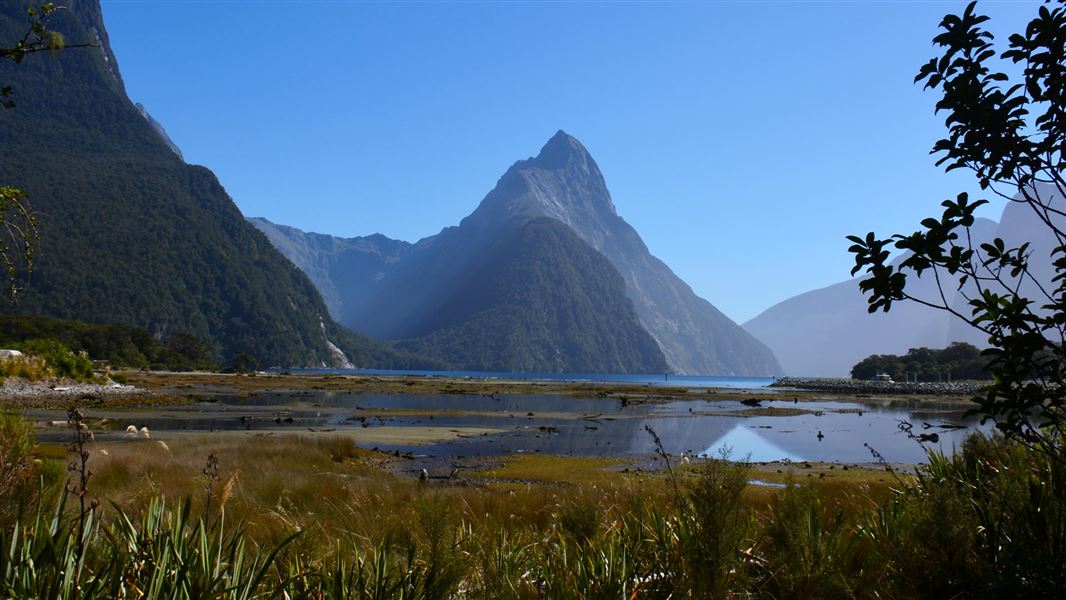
(316, 516)
(548, 468)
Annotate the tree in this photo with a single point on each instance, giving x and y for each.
(244, 363)
(1011, 133)
(18, 224)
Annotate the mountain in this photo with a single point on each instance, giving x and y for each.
(536, 298)
(130, 234)
(825, 332)
(400, 292)
(563, 182)
(345, 270)
(541, 299)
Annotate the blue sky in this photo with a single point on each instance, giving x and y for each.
(742, 140)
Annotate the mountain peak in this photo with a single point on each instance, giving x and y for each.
(561, 150)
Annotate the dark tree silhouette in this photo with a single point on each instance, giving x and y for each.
(1011, 133)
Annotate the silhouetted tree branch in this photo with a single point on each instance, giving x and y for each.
(1010, 134)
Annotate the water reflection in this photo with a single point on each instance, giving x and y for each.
(741, 443)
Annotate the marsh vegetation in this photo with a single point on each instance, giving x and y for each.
(309, 517)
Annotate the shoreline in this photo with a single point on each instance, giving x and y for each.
(162, 388)
(858, 386)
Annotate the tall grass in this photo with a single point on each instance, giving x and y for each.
(23, 477)
(166, 554)
(322, 522)
(32, 368)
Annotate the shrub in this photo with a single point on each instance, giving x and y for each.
(61, 362)
(989, 520)
(810, 547)
(717, 529)
(33, 368)
(22, 476)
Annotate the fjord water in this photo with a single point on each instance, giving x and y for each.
(664, 380)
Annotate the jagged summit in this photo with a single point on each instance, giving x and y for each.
(562, 182)
(561, 151)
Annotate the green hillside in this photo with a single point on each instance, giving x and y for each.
(130, 234)
(540, 299)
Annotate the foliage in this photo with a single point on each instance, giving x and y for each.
(164, 554)
(60, 360)
(46, 359)
(184, 352)
(244, 363)
(121, 346)
(540, 299)
(987, 521)
(958, 361)
(1011, 133)
(37, 38)
(714, 533)
(22, 477)
(19, 238)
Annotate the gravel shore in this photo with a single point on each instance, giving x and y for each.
(20, 393)
(857, 386)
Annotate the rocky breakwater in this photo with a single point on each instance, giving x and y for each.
(858, 386)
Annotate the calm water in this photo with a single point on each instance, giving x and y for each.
(531, 423)
(681, 381)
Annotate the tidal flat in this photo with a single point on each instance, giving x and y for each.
(444, 423)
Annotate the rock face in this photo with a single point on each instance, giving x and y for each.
(400, 293)
(825, 332)
(158, 128)
(131, 234)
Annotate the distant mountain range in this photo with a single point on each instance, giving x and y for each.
(825, 332)
(447, 295)
(131, 234)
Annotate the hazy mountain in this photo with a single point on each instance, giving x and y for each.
(345, 270)
(131, 234)
(825, 332)
(402, 294)
(541, 299)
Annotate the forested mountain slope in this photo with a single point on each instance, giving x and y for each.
(131, 234)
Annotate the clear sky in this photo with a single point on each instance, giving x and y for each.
(743, 140)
